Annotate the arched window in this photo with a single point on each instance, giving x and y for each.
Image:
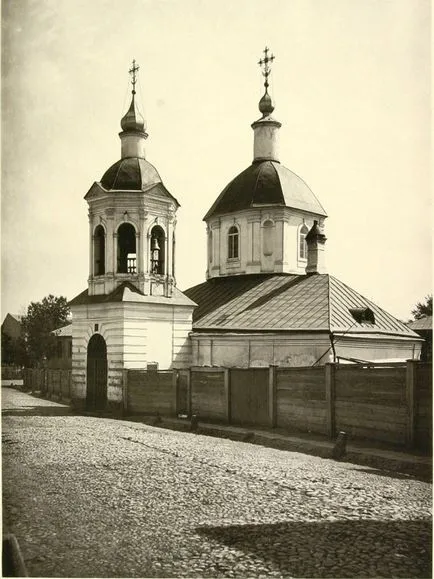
(210, 246)
(302, 245)
(99, 251)
(157, 250)
(267, 229)
(233, 243)
(127, 256)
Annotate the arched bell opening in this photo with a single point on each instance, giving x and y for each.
(127, 252)
(158, 256)
(99, 251)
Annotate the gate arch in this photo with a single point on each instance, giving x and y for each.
(96, 376)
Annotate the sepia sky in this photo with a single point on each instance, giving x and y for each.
(351, 85)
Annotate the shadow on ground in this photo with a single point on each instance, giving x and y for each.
(335, 549)
(38, 411)
(394, 474)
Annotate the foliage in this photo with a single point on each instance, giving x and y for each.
(41, 319)
(14, 351)
(423, 309)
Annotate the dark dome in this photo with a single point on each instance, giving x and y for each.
(131, 173)
(133, 120)
(266, 105)
(266, 183)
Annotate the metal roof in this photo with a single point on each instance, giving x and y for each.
(64, 332)
(128, 292)
(424, 323)
(286, 302)
(131, 173)
(266, 183)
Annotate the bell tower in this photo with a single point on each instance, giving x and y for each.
(131, 315)
(131, 217)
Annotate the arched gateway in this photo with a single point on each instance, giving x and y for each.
(96, 383)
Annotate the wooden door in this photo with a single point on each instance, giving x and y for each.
(96, 383)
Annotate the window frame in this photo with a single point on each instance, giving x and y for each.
(233, 238)
(302, 244)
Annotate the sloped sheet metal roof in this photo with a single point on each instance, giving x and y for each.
(64, 332)
(424, 323)
(127, 292)
(284, 303)
(115, 296)
(266, 183)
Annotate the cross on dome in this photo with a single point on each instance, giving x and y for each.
(265, 104)
(264, 62)
(133, 120)
(133, 71)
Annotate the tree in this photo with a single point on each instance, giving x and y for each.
(41, 319)
(423, 309)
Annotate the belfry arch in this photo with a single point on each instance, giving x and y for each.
(126, 249)
(158, 250)
(99, 251)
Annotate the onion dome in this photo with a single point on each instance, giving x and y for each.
(266, 105)
(130, 173)
(133, 120)
(266, 183)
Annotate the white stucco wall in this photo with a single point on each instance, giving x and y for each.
(135, 334)
(255, 255)
(296, 349)
(256, 350)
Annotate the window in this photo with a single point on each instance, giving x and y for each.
(210, 246)
(157, 250)
(363, 315)
(70, 350)
(267, 230)
(233, 243)
(302, 247)
(99, 251)
(127, 255)
(59, 352)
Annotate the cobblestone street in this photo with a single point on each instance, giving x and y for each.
(91, 497)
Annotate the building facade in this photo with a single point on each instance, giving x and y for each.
(131, 314)
(268, 298)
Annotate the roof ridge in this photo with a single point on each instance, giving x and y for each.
(259, 165)
(117, 173)
(279, 179)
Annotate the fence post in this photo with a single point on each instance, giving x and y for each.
(175, 376)
(227, 387)
(125, 389)
(272, 395)
(330, 398)
(70, 385)
(410, 384)
(189, 391)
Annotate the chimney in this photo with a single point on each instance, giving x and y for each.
(315, 240)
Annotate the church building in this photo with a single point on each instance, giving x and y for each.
(268, 298)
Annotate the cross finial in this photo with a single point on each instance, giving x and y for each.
(133, 71)
(264, 63)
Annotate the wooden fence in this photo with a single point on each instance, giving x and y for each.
(150, 392)
(54, 384)
(11, 373)
(389, 403)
